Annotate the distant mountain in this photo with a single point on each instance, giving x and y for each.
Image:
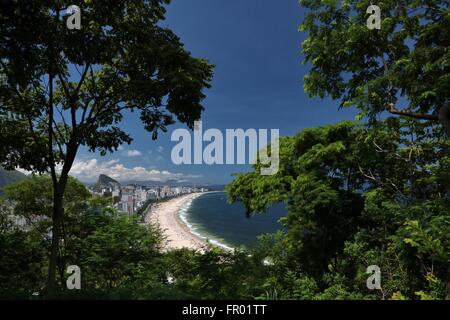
(105, 182)
(152, 183)
(215, 187)
(7, 177)
(174, 183)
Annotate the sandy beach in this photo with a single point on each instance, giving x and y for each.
(176, 233)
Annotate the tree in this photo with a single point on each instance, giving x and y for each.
(114, 251)
(26, 244)
(406, 61)
(31, 200)
(321, 186)
(358, 196)
(61, 89)
(114, 255)
(22, 267)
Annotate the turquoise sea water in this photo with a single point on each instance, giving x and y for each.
(210, 216)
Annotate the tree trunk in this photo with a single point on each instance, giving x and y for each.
(58, 214)
(58, 211)
(444, 119)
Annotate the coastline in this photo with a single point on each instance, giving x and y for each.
(177, 234)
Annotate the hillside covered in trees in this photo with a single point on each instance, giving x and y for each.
(7, 177)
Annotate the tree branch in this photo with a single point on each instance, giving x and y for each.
(58, 142)
(390, 107)
(51, 134)
(83, 76)
(64, 85)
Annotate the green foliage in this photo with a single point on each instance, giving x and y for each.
(22, 266)
(408, 58)
(61, 89)
(357, 197)
(213, 275)
(128, 61)
(34, 195)
(115, 253)
(337, 225)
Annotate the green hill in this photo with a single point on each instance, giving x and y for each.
(7, 177)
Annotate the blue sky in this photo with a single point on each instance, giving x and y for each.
(258, 83)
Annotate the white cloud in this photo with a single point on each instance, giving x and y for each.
(89, 170)
(26, 172)
(134, 153)
(160, 149)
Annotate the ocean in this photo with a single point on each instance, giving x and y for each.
(209, 216)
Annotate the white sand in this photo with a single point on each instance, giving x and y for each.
(176, 233)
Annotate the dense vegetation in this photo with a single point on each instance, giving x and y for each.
(348, 208)
(374, 192)
(402, 68)
(62, 89)
(358, 197)
(118, 256)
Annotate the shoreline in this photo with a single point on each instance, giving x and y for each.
(176, 232)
